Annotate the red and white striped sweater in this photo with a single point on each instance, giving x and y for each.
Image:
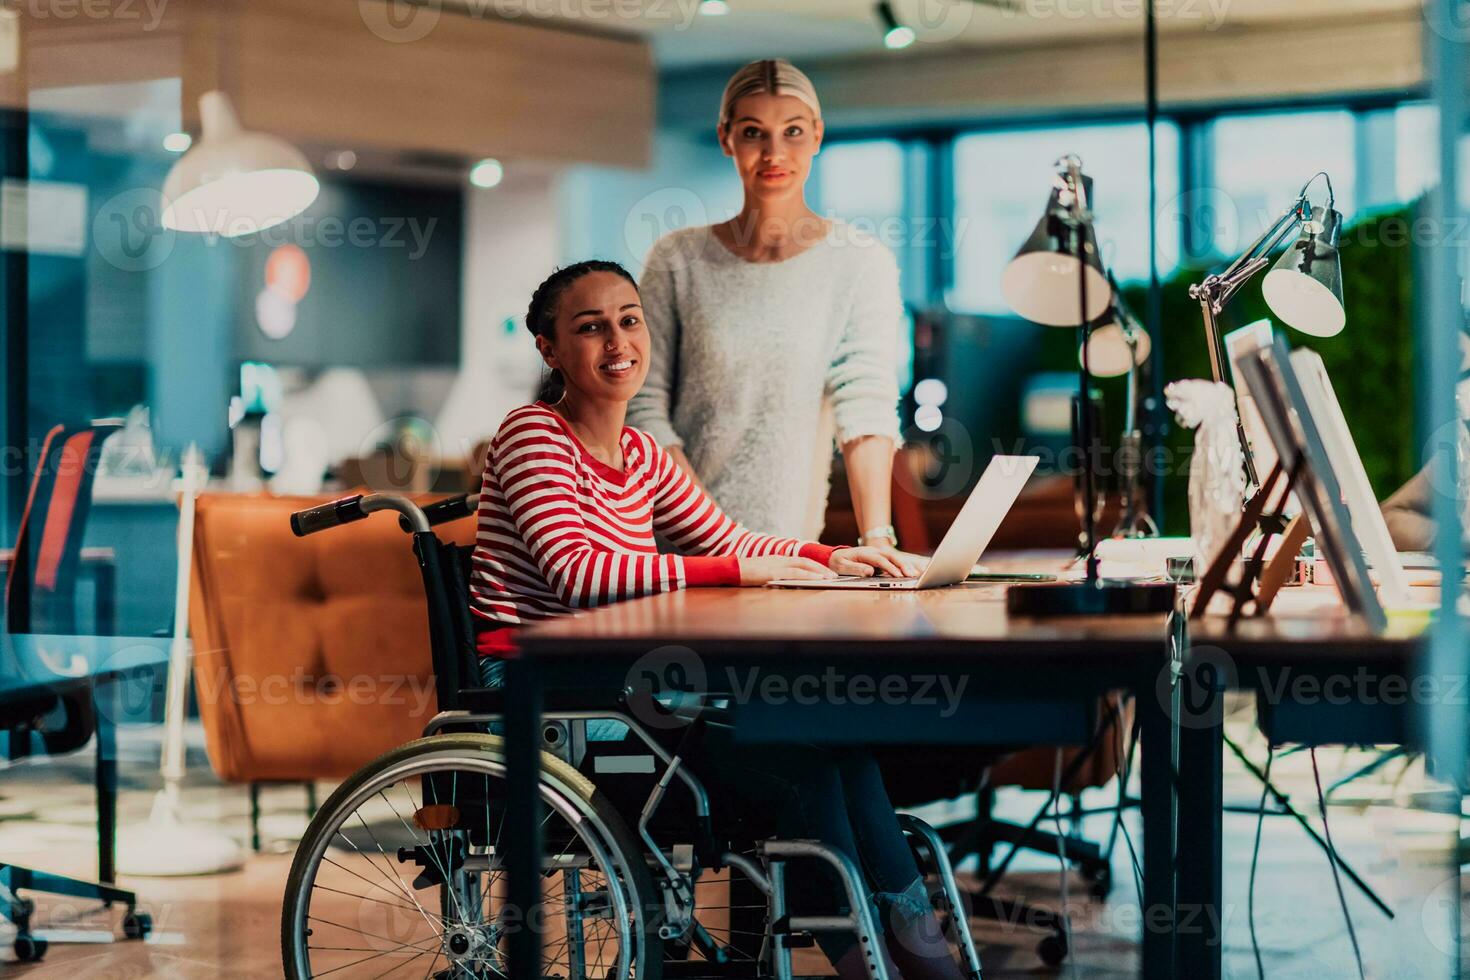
(560, 530)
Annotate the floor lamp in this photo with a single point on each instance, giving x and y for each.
(165, 846)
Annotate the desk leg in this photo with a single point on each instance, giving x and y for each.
(1200, 861)
(1156, 762)
(523, 816)
(105, 705)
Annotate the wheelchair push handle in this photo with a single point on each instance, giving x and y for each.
(314, 519)
(448, 509)
(355, 508)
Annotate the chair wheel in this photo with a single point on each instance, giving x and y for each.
(137, 925)
(1054, 949)
(30, 949)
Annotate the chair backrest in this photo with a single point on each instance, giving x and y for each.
(446, 571)
(41, 579)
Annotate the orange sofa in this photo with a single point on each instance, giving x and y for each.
(311, 654)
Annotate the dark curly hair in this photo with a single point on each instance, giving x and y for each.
(541, 314)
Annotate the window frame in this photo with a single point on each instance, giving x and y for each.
(936, 144)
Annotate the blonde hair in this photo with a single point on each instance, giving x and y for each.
(773, 76)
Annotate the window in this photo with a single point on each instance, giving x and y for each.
(863, 182)
(1001, 182)
(1416, 150)
(1261, 160)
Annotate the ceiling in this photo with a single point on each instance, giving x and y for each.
(126, 117)
(811, 29)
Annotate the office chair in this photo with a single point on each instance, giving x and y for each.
(40, 597)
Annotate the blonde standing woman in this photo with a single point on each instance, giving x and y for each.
(775, 331)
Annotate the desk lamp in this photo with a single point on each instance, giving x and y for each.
(1304, 288)
(1117, 345)
(1057, 279)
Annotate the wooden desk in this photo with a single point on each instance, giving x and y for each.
(1320, 677)
(1024, 681)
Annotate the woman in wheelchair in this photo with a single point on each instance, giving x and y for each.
(401, 872)
(569, 507)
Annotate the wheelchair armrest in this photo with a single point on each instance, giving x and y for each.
(492, 700)
(685, 707)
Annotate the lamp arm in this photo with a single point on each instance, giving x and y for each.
(1215, 291)
(1273, 236)
(1229, 284)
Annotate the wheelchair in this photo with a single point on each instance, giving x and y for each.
(402, 870)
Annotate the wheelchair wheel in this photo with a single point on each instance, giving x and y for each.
(401, 873)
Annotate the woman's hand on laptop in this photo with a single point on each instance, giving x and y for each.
(874, 561)
(759, 571)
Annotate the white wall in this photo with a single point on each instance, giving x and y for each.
(617, 214)
(516, 233)
(512, 241)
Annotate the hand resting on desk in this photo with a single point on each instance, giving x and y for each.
(861, 562)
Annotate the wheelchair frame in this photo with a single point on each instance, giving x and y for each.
(676, 867)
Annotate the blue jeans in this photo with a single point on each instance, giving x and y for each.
(492, 674)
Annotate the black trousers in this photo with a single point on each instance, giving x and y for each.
(836, 797)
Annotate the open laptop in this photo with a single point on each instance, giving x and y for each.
(966, 540)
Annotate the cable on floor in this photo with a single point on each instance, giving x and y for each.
(1125, 770)
(1332, 859)
(1250, 895)
(1066, 915)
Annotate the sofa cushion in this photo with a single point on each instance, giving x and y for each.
(311, 654)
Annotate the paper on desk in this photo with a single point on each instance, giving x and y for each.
(1141, 557)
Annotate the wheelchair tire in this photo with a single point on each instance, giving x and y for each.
(627, 898)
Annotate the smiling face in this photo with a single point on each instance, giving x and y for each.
(772, 139)
(600, 343)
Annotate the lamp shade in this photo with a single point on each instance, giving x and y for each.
(233, 181)
(1040, 283)
(1304, 287)
(1109, 349)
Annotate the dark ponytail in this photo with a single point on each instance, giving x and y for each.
(541, 314)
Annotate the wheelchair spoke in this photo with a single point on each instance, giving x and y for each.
(365, 959)
(363, 932)
(390, 878)
(399, 966)
(368, 898)
(389, 922)
(396, 893)
(433, 853)
(405, 948)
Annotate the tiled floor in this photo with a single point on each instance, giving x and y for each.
(229, 925)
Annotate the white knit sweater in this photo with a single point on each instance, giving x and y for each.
(756, 366)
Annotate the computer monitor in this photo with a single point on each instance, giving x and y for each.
(1291, 422)
(1352, 478)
